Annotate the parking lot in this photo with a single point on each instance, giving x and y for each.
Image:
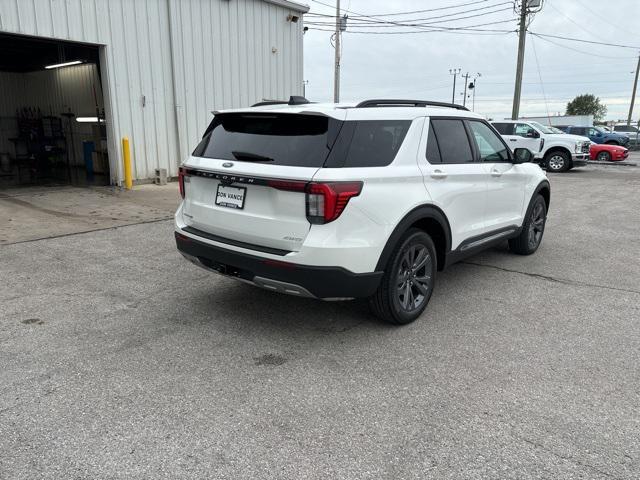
(122, 360)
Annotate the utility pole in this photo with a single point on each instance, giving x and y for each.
(526, 7)
(304, 88)
(633, 95)
(464, 95)
(454, 72)
(336, 72)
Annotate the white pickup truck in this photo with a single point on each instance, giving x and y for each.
(557, 152)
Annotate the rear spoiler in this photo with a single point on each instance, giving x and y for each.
(293, 100)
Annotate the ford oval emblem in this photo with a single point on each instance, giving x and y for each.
(227, 164)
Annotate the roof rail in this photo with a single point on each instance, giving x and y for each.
(293, 100)
(407, 103)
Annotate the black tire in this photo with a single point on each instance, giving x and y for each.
(405, 291)
(532, 229)
(603, 157)
(557, 161)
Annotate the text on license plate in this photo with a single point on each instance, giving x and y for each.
(232, 197)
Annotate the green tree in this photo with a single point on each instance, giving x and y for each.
(587, 104)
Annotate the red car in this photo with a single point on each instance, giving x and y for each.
(607, 153)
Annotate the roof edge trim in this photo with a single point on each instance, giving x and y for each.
(297, 6)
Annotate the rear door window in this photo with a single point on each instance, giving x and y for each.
(276, 139)
(504, 128)
(452, 140)
(375, 143)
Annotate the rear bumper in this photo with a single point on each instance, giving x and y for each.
(280, 276)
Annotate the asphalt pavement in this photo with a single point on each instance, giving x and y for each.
(121, 360)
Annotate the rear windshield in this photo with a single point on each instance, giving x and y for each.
(302, 140)
(291, 139)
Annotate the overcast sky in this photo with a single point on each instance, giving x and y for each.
(417, 65)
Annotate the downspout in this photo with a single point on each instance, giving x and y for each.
(174, 87)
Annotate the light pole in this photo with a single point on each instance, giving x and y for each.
(472, 86)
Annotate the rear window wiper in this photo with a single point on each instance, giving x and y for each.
(251, 157)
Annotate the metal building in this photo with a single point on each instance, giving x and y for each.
(151, 70)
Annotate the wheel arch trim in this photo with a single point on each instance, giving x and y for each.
(543, 185)
(421, 212)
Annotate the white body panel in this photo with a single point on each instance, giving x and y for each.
(476, 198)
(516, 141)
(270, 217)
(460, 189)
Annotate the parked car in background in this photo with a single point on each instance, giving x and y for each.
(557, 152)
(630, 131)
(598, 135)
(608, 153)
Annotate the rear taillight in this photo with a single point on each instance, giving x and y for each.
(327, 201)
(181, 175)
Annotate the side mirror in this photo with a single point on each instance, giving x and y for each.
(522, 155)
(531, 134)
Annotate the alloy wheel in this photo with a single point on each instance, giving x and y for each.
(536, 225)
(413, 281)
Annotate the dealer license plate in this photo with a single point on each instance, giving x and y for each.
(231, 197)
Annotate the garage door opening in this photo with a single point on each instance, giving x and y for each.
(52, 123)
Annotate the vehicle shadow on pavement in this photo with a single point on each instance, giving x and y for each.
(245, 306)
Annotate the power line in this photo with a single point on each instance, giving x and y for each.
(574, 22)
(374, 20)
(457, 30)
(372, 24)
(603, 18)
(428, 9)
(575, 49)
(363, 15)
(544, 95)
(572, 39)
(432, 27)
(407, 13)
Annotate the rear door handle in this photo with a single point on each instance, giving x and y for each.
(513, 139)
(495, 172)
(438, 174)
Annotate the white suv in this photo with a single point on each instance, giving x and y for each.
(339, 201)
(557, 152)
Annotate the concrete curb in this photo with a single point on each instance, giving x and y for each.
(620, 164)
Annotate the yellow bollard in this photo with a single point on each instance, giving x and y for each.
(126, 158)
